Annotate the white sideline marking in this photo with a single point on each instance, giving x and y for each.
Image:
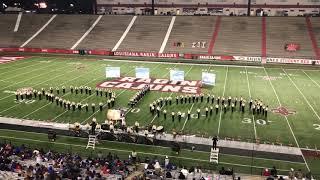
(21, 67)
(294, 137)
(224, 90)
(16, 27)
(128, 151)
(311, 78)
(124, 33)
(87, 32)
(254, 124)
(39, 31)
(181, 63)
(165, 40)
(31, 77)
(304, 97)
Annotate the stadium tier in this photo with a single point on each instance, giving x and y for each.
(146, 34)
(293, 37)
(63, 32)
(7, 23)
(106, 33)
(199, 29)
(239, 36)
(281, 31)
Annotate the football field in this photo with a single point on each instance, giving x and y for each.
(292, 96)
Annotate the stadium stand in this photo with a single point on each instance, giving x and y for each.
(239, 36)
(7, 23)
(235, 35)
(63, 31)
(281, 31)
(316, 31)
(316, 28)
(29, 24)
(191, 29)
(146, 34)
(106, 33)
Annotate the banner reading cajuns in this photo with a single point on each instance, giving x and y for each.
(165, 85)
(146, 54)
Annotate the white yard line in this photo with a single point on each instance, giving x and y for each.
(224, 90)
(253, 120)
(165, 40)
(16, 27)
(311, 78)
(33, 69)
(294, 137)
(33, 76)
(169, 95)
(39, 31)
(186, 120)
(21, 67)
(183, 63)
(304, 97)
(87, 32)
(125, 33)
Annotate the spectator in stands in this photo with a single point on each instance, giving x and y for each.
(274, 171)
(266, 172)
(222, 171)
(299, 174)
(309, 176)
(166, 162)
(181, 176)
(184, 171)
(134, 156)
(291, 174)
(157, 168)
(168, 174)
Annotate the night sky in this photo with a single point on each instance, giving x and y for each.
(59, 6)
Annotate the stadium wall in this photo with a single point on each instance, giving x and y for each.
(209, 7)
(270, 60)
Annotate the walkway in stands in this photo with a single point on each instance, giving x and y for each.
(316, 32)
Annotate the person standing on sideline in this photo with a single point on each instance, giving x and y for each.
(214, 142)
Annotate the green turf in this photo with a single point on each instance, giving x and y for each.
(299, 93)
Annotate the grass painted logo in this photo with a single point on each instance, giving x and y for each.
(283, 111)
(164, 85)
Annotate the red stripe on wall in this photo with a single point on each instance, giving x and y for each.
(264, 38)
(312, 38)
(214, 35)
